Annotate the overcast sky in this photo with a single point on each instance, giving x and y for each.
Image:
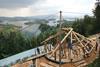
(44, 7)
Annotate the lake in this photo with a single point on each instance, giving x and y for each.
(29, 30)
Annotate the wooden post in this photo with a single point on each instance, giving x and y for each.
(71, 49)
(60, 37)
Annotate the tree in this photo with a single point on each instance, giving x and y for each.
(84, 26)
(13, 42)
(97, 16)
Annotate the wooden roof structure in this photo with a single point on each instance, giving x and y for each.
(70, 48)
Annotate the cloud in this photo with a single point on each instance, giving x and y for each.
(13, 4)
(42, 7)
(83, 6)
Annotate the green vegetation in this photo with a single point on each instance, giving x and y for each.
(89, 25)
(12, 42)
(46, 31)
(96, 63)
(97, 17)
(84, 26)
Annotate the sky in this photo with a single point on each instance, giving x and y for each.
(12, 8)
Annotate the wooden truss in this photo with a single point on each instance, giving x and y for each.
(80, 46)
